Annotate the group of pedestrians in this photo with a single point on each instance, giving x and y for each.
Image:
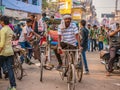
(33, 28)
(98, 37)
(89, 38)
(6, 51)
(105, 37)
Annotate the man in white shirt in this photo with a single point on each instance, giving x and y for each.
(25, 36)
(68, 36)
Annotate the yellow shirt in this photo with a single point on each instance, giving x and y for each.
(5, 41)
(101, 38)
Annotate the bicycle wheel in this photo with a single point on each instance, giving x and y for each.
(41, 67)
(48, 65)
(79, 70)
(37, 53)
(64, 71)
(18, 69)
(71, 77)
(106, 65)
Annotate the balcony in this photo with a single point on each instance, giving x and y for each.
(22, 6)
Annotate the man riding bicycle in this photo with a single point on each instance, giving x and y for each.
(25, 37)
(68, 35)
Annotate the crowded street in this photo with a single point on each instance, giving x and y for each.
(52, 80)
(59, 44)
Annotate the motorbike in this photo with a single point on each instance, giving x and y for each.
(105, 55)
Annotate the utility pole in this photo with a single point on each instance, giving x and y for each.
(1, 7)
(0, 2)
(116, 6)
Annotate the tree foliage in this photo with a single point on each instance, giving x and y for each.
(44, 4)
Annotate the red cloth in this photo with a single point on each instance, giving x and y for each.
(15, 43)
(11, 26)
(42, 40)
(54, 35)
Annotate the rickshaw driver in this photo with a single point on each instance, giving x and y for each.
(68, 35)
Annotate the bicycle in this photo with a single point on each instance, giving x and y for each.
(17, 66)
(45, 59)
(24, 53)
(42, 56)
(69, 69)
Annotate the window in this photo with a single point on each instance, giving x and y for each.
(26, 1)
(35, 2)
(19, 0)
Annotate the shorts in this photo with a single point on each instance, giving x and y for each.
(25, 45)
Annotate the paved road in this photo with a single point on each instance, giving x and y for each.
(52, 81)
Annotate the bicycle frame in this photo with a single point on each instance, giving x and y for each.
(68, 53)
(70, 67)
(72, 51)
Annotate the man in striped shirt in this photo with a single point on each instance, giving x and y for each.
(68, 35)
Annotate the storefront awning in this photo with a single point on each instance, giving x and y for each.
(15, 14)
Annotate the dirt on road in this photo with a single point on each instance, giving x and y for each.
(96, 80)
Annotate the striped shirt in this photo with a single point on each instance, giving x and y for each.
(68, 35)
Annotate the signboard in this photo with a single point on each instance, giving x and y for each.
(108, 15)
(77, 4)
(65, 6)
(57, 15)
(76, 13)
(15, 14)
(105, 21)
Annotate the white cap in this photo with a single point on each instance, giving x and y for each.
(67, 16)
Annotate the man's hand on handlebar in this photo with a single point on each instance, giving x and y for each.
(37, 35)
(59, 50)
(80, 48)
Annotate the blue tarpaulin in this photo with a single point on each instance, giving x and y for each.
(18, 5)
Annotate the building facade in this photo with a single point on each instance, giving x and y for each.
(19, 9)
(91, 13)
(117, 16)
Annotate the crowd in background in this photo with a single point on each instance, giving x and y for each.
(98, 36)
